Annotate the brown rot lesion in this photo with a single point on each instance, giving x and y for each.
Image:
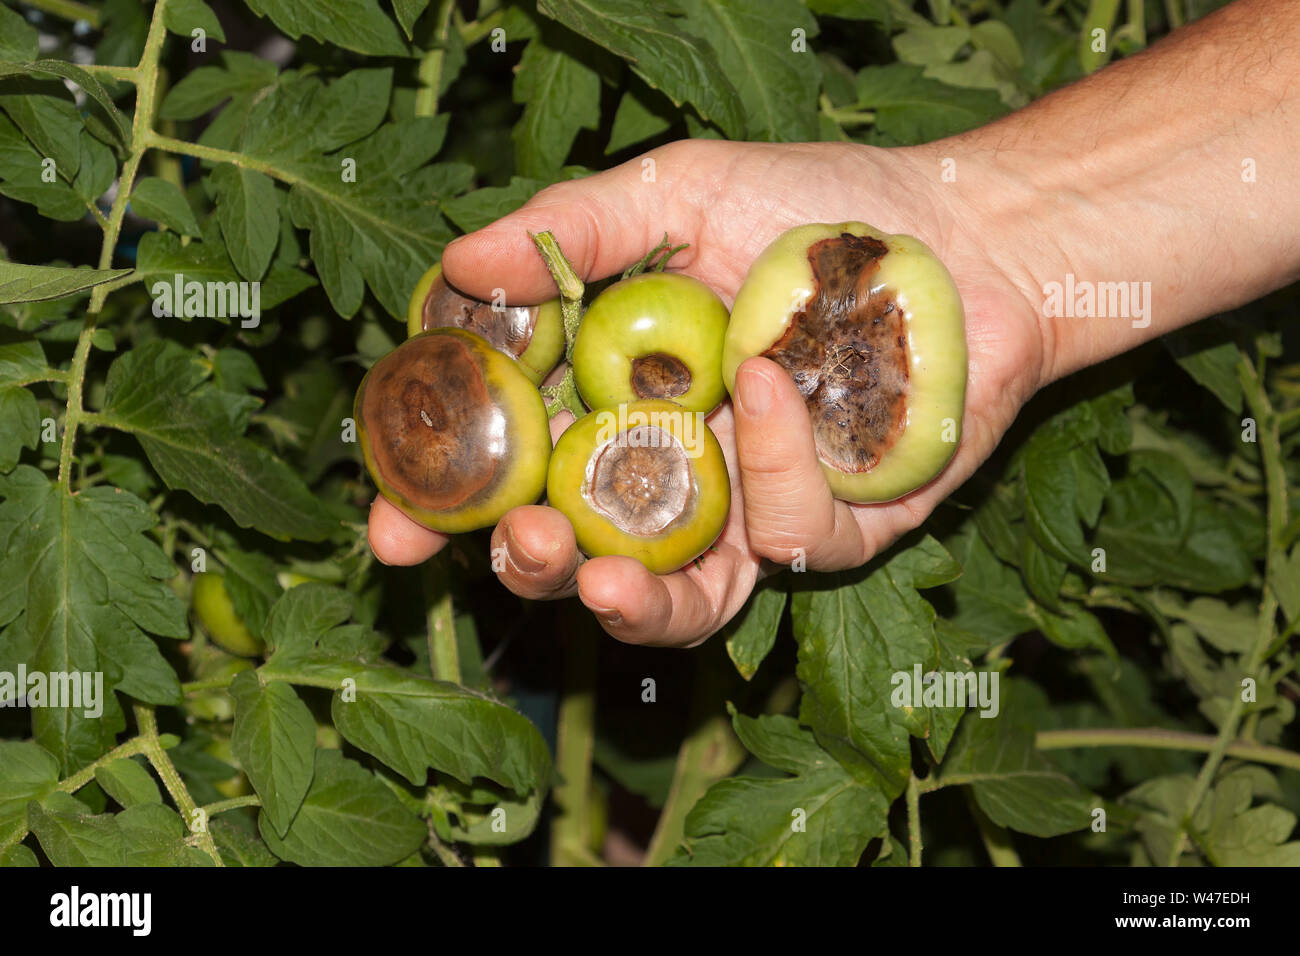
(846, 351)
(435, 429)
(640, 481)
(508, 328)
(660, 376)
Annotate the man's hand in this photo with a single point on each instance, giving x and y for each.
(729, 200)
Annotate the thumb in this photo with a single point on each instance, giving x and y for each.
(604, 223)
(789, 510)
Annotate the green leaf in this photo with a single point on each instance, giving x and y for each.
(855, 631)
(23, 176)
(990, 596)
(27, 772)
(82, 584)
(119, 126)
(162, 201)
(1205, 353)
(349, 818)
(751, 633)
(19, 40)
(183, 17)
(163, 257)
(127, 782)
(22, 359)
(249, 216)
(669, 59)
(238, 846)
(241, 76)
(71, 836)
(822, 816)
(641, 113)
(915, 109)
(156, 392)
(357, 25)
(408, 11)
(1012, 781)
(756, 48)
(20, 422)
(926, 45)
(23, 283)
(274, 738)
(51, 122)
(98, 169)
(484, 206)
(18, 856)
(560, 95)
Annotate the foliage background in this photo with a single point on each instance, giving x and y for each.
(1121, 688)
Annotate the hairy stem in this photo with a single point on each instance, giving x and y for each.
(914, 820)
(444, 653)
(575, 741)
(166, 770)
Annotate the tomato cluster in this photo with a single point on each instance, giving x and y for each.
(869, 326)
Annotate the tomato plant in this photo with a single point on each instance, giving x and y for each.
(206, 251)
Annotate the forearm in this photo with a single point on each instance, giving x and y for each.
(1173, 172)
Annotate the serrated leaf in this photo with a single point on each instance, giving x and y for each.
(127, 782)
(23, 177)
(238, 846)
(51, 123)
(484, 206)
(560, 95)
(157, 199)
(156, 392)
(1207, 353)
(637, 118)
(274, 738)
(20, 421)
(162, 257)
(82, 583)
(27, 772)
(349, 818)
(183, 17)
(23, 283)
(915, 109)
(249, 216)
(659, 51)
(202, 89)
(118, 126)
(823, 816)
(751, 633)
(357, 25)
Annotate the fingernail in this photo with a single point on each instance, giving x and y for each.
(520, 558)
(754, 393)
(607, 614)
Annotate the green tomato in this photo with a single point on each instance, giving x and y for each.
(452, 432)
(655, 335)
(532, 335)
(220, 621)
(871, 329)
(237, 784)
(208, 662)
(646, 480)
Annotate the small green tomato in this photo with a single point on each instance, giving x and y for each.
(655, 335)
(871, 329)
(220, 621)
(645, 479)
(452, 431)
(532, 335)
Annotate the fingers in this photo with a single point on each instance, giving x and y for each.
(604, 223)
(540, 555)
(789, 509)
(396, 539)
(638, 607)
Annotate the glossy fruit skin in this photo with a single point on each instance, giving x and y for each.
(654, 313)
(221, 623)
(536, 360)
(680, 542)
(779, 283)
(506, 436)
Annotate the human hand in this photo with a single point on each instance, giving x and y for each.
(729, 200)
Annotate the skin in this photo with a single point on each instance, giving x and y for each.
(1134, 174)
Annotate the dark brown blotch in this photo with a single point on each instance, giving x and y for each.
(509, 328)
(660, 376)
(847, 354)
(437, 437)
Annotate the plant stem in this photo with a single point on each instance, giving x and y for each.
(914, 820)
(1270, 449)
(166, 770)
(575, 741)
(136, 745)
(996, 839)
(709, 753)
(68, 10)
(569, 284)
(444, 653)
(1155, 737)
(234, 803)
(430, 71)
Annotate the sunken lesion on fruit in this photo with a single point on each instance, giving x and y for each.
(847, 354)
(508, 328)
(640, 481)
(660, 376)
(437, 436)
